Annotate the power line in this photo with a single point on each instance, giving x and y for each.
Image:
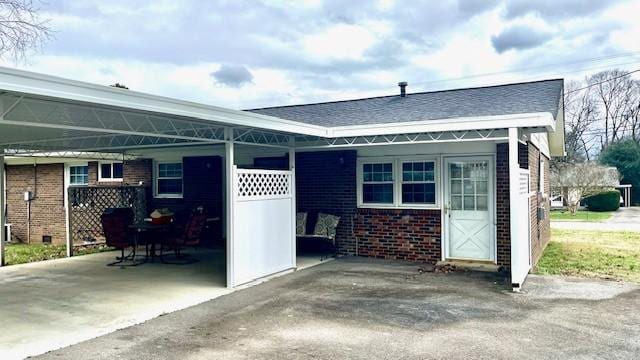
(603, 81)
(532, 68)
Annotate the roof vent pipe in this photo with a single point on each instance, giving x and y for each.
(403, 88)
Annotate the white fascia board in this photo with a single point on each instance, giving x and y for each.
(27, 82)
(543, 119)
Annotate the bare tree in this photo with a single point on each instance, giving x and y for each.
(579, 181)
(581, 112)
(615, 93)
(21, 28)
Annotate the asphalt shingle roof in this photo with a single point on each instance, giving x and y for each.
(530, 97)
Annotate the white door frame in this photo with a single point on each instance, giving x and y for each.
(446, 205)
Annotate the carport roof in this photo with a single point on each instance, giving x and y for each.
(43, 113)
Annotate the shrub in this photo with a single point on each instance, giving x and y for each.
(605, 201)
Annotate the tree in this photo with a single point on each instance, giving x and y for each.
(625, 156)
(21, 28)
(579, 181)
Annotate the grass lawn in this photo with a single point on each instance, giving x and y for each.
(581, 215)
(596, 254)
(23, 253)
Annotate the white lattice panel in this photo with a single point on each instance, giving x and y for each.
(262, 184)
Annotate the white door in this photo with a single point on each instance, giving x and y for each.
(469, 204)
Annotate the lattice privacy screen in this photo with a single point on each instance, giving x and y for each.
(262, 184)
(88, 203)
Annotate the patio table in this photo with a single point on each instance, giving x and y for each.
(155, 229)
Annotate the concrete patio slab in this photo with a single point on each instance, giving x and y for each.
(368, 309)
(56, 303)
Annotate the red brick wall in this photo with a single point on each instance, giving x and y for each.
(540, 229)
(413, 235)
(503, 230)
(47, 208)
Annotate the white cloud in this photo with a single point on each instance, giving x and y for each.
(286, 51)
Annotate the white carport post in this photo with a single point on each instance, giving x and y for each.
(292, 168)
(514, 209)
(229, 182)
(2, 207)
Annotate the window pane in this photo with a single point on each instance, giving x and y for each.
(381, 172)
(456, 187)
(456, 202)
(469, 203)
(105, 171)
(173, 170)
(418, 171)
(377, 193)
(456, 171)
(117, 170)
(481, 187)
(468, 187)
(419, 193)
(481, 203)
(169, 186)
(79, 175)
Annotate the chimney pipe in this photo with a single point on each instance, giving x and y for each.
(403, 88)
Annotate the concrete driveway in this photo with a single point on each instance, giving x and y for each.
(625, 219)
(366, 309)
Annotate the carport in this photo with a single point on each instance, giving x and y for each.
(41, 114)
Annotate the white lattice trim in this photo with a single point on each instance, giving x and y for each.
(254, 184)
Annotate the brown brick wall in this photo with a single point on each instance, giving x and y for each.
(134, 171)
(540, 229)
(47, 208)
(503, 231)
(413, 235)
(326, 182)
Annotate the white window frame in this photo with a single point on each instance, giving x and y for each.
(360, 175)
(156, 177)
(110, 179)
(70, 166)
(397, 162)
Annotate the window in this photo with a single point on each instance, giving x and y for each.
(377, 183)
(78, 175)
(110, 171)
(469, 185)
(418, 182)
(397, 182)
(169, 179)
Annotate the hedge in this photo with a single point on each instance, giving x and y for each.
(605, 201)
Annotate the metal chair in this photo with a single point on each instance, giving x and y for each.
(189, 237)
(115, 225)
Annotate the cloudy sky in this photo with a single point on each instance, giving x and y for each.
(244, 54)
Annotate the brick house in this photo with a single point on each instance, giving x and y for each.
(454, 176)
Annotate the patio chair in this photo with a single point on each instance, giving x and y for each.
(190, 236)
(325, 229)
(115, 225)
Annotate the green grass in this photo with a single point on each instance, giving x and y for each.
(580, 215)
(23, 253)
(594, 254)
